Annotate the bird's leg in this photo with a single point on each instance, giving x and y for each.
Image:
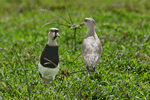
(87, 73)
(52, 82)
(43, 82)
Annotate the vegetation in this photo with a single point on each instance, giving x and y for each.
(122, 25)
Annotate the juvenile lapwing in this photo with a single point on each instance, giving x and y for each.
(91, 45)
(49, 60)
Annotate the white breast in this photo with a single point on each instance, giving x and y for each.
(48, 73)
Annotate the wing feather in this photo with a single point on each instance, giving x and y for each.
(91, 51)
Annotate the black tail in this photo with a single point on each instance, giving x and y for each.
(90, 68)
(40, 74)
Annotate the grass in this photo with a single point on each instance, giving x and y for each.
(122, 73)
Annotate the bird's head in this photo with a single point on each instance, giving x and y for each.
(89, 22)
(53, 33)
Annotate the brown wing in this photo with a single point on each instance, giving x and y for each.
(91, 51)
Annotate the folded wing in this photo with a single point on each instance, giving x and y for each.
(91, 51)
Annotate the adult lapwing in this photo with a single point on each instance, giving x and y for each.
(49, 60)
(91, 45)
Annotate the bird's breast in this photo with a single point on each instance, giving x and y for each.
(49, 57)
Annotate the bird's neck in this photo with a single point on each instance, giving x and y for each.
(52, 42)
(90, 31)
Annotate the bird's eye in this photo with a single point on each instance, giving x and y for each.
(52, 30)
(56, 31)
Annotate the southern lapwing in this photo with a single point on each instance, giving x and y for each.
(91, 45)
(49, 60)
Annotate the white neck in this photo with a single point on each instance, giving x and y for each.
(90, 31)
(52, 42)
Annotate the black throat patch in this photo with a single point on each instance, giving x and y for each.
(49, 57)
(54, 37)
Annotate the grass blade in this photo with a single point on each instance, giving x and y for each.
(55, 14)
(69, 15)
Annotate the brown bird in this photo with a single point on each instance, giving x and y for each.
(91, 45)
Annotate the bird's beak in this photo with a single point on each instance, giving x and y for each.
(57, 35)
(82, 24)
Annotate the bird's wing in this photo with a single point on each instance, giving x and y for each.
(91, 51)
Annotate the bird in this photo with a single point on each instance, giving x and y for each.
(91, 46)
(48, 66)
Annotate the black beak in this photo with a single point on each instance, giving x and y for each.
(82, 24)
(56, 35)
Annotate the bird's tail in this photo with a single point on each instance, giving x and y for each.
(90, 68)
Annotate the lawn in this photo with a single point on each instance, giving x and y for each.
(123, 27)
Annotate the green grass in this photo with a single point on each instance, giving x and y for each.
(122, 73)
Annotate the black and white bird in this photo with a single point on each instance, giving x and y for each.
(49, 60)
(91, 45)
